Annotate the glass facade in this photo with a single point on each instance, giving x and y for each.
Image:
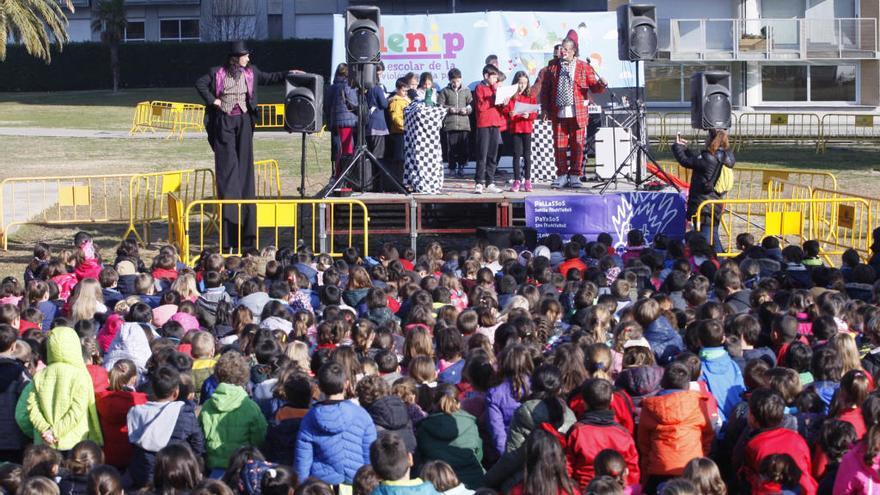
(809, 83)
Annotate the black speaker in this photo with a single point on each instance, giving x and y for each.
(710, 100)
(500, 236)
(362, 34)
(303, 102)
(636, 32)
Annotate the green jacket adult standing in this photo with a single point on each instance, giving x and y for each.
(230, 419)
(455, 439)
(61, 405)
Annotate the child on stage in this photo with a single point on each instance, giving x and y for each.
(520, 127)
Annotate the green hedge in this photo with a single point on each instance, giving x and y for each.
(83, 66)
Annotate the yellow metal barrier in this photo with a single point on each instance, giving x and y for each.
(176, 118)
(147, 196)
(847, 218)
(849, 128)
(270, 115)
(792, 220)
(783, 189)
(176, 235)
(778, 127)
(63, 200)
(268, 179)
(752, 182)
(141, 120)
(290, 220)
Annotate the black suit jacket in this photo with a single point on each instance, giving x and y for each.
(205, 86)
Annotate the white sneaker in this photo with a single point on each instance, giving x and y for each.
(478, 189)
(560, 182)
(575, 183)
(492, 188)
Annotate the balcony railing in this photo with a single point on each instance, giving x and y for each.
(771, 39)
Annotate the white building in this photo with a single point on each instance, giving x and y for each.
(818, 54)
(785, 54)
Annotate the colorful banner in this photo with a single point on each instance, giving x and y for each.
(616, 214)
(521, 40)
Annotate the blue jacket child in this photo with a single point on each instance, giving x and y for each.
(335, 435)
(721, 374)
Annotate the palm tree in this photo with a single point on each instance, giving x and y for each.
(110, 22)
(35, 23)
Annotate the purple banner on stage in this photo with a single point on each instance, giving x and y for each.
(616, 214)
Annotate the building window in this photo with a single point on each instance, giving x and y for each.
(671, 83)
(179, 30)
(809, 83)
(134, 31)
(275, 27)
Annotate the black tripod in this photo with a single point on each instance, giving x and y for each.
(362, 157)
(641, 150)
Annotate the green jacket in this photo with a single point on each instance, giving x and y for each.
(63, 397)
(528, 417)
(230, 419)
(454, 439)
(508, 471)
(21, 412)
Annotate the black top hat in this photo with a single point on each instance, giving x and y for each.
(238, 48)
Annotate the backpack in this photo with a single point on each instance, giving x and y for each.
(724, 180)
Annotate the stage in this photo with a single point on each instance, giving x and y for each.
(457, 211)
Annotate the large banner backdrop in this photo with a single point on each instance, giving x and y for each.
(616, 214)
(521, 40)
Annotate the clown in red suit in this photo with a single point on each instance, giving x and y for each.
(564, 98)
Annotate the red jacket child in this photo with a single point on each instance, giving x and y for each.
(593, 434)
(113, 407)
(766, 411)
(517, 124)
(596, 432)
(621, 405)
(488, 114)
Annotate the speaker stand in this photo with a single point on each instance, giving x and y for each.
(362, 155)
(641, 150)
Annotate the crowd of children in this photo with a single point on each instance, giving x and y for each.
(570, 368)
(386, 129)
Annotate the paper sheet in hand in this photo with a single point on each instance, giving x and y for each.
(504, 93)
(522, 107)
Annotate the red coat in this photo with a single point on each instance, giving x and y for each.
(100, 377)
(113, 407)
(778, 441)
(585, 80)
(517, 124)
(572, 263)
(488, 114)
(586, 439)
(621, 404)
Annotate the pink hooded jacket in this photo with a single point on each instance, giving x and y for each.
(854, 477)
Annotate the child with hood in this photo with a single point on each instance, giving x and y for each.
(61, 404)
(160, 422)
(230, 419)
(133, 339)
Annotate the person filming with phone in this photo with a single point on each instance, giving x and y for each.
(709, 180)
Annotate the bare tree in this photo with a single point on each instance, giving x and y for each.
(231, 20)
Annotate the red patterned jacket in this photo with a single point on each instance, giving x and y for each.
(585, 80)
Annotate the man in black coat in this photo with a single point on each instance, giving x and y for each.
(706, 168)
(230, 95)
